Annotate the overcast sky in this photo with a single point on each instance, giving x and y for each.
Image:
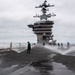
(15, 15)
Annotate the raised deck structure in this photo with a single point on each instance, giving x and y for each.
(43, 28)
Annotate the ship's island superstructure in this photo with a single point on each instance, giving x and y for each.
(43, 28)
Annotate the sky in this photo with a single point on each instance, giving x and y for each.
(15, 15)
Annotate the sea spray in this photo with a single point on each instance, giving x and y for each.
(62, 51)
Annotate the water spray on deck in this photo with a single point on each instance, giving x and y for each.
(63, 51)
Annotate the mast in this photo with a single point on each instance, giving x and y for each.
(44, 9)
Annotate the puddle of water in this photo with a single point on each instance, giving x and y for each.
(43, 66)
(60, 69)
(51, 68)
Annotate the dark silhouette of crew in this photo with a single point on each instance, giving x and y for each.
(61, 44)
(58, 44)
(68, 44)
(29, 47)
(43, 43)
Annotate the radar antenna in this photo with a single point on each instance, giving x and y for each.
(44, 10)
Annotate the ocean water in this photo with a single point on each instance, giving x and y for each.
(14, 45)
(22, 46)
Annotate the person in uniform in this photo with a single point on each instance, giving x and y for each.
(29, 47)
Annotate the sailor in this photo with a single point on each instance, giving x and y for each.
(29, 47)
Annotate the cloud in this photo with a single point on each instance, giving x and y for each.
(15, 15)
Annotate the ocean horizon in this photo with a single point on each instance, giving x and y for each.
(22, 44)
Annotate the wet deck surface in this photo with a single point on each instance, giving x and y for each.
(39, 62)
